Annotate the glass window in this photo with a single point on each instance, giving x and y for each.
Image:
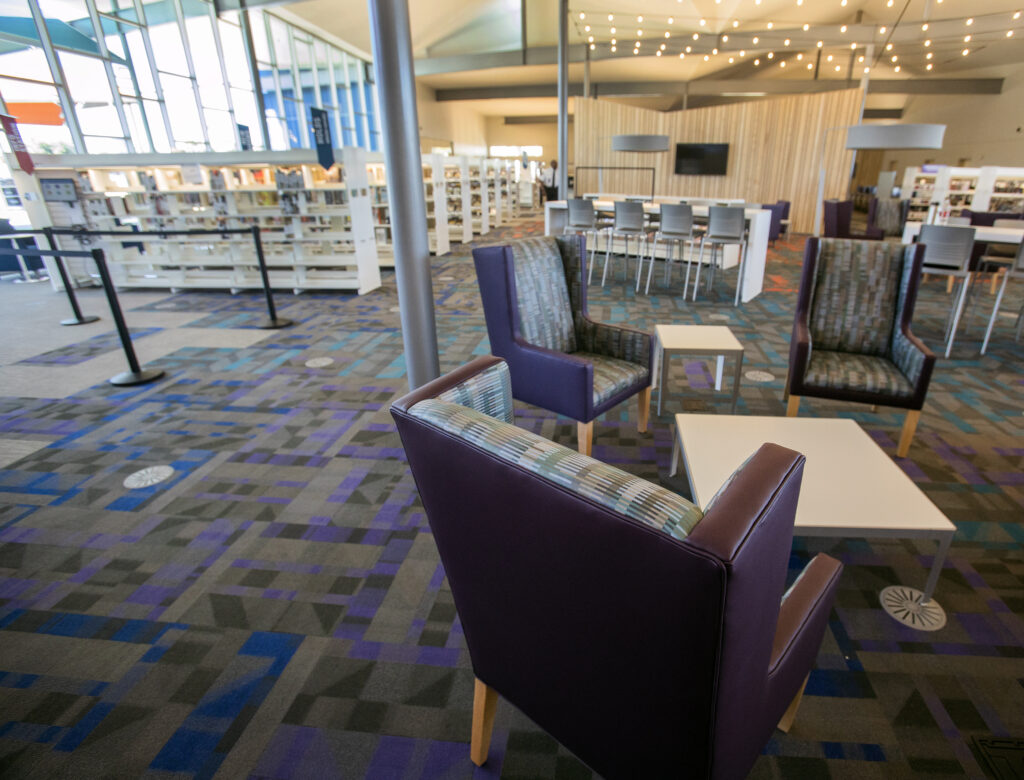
(304, 61)
(43, 139)
(156, 126)
(235, 61)
(247, 114)
(182, 110)
(221, 130)
(90, 92)
(259, 37)
(28, 63)
(95, 144)
(291, 115)
(65, 10)
(140, 63)
(167, 49)
(136, 125)
(279, 37)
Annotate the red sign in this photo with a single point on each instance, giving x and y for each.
(17, 145)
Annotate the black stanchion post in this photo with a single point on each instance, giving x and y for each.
(273, 321)
(68, 287)
(135, 376)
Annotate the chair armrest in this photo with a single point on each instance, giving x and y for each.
(448, 382)
(799, 352)
(616, 341)
(805, 600)
(557, 381)
(914, 360)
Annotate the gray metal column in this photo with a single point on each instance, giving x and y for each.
(563, 99)
(392, 59)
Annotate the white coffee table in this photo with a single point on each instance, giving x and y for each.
(697, 340)
(850, 487)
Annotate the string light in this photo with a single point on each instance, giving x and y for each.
(888, 47)
(786, 42)
(1009, 33)
(703, 22)
(928, 56)
(928, 66)
(696, 37)
(967, 39)
(613, 31)
(1016, 15)
(636, 51)
(842, 29)
(970, 21)
(928, 42)
(924, 27)
(965, 52)
(889, 4)
(592, 47)
(867, 70)
(770, 25)
(743, 53)
(810, 66)
(613, 48)
(663, 47)
(611, 17)
(587, 28)
(838, 68)
(807, 27)
(706, 58)
(897, 69)
(614, 41)
(731, 60)
(639, 33)
(860, 58)
(800, 56)
(725, 39)
(771, 54)
(757, 62)
(820, 44)
(657, 53)
(782, 64)
(881, 30)
(842, 3)
(714, 51)
(590, 39)
(639, 20)
(853, 46)
(755, 40)
(682, 56)
(894, 58)
(828, 58)
(689, 49)
(582, 15)
(735, 23)
(668, 34)
(671, 20)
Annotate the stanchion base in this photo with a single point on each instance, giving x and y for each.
(904, 605)
(271, 324)
(129, 378)
(85, 319)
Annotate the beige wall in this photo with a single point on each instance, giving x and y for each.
(774, 148)
(463, 126)
(543, 134)
(980, 129)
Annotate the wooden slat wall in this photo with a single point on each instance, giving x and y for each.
(774, 148)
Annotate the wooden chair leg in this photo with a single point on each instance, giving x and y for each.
(790, 714)
(485, 701)
(995, 280)
(949, 284)
(643, 409)
(907, 436)
(793, 406)
(585, 436)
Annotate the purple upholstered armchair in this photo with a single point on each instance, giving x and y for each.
(535, 304)
(648, 637)
(851, 334)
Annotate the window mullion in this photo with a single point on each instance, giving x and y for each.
(108, 67)
(60, 83)
(140, 12)
(191, 70)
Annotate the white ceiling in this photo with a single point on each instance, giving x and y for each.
(453, 27)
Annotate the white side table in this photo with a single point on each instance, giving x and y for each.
(698, 340)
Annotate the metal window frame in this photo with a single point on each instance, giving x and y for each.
(254, 74)
(276, 72)
(305, 141)
(158, 87)
(131, 72)
(57, 73)
(348, 97)
(108, 68)
(224, 74)
(362, 101)
(179, 14)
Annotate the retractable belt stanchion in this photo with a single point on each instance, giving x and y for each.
(273, 321)
(79, 319)
(136, 376)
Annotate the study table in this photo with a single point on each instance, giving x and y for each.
(758, 222)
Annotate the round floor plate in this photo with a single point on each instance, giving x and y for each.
(718, 317)
(759, 376)
(148, 477)
(904, 605)
(320, 362)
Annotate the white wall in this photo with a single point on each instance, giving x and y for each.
(463, 126)
(541, 134)
(980, 129)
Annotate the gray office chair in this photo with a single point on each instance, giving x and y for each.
(726, 225)
(999, 257)
(947, 252)
(583, 219)
(675, 229)
(629, 223)
(1015, 271)
(958, 221)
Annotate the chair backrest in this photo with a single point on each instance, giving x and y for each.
(987, 218)
(947, 247)
(958, 221)
(550, 553)
(1016, 224)
(726, 222)
(775, 227)
(629, 215)
(785, 208)
(638, 198)
(581, 213)
(856, 291)
(676, 219)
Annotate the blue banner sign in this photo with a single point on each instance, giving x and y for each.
(322, 137)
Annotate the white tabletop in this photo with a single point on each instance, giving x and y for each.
(707, 338)
(654, 208)
(851, 487)
(995, 235)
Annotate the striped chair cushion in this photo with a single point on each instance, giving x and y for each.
(855, 293)
(488, 391)
(612, 376)
(845, 371)
(542, 296)
(598, 482)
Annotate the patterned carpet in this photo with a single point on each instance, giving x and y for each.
(276, 608)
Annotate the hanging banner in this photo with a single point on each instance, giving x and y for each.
(17, 145)
(322, 136)
(245, 137)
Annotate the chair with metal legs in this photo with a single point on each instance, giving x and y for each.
(583, 219)
(947, 252)
(1015, 271)
(629, 223)
(726, 225)
(675, 229)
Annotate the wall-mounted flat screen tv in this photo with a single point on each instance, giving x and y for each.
(702, 159)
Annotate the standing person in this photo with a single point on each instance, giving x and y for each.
(549, 178)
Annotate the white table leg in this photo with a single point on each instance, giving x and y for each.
(675, 452)
(940, 559)
(718, 372)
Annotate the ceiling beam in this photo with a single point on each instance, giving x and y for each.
(732, 87)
